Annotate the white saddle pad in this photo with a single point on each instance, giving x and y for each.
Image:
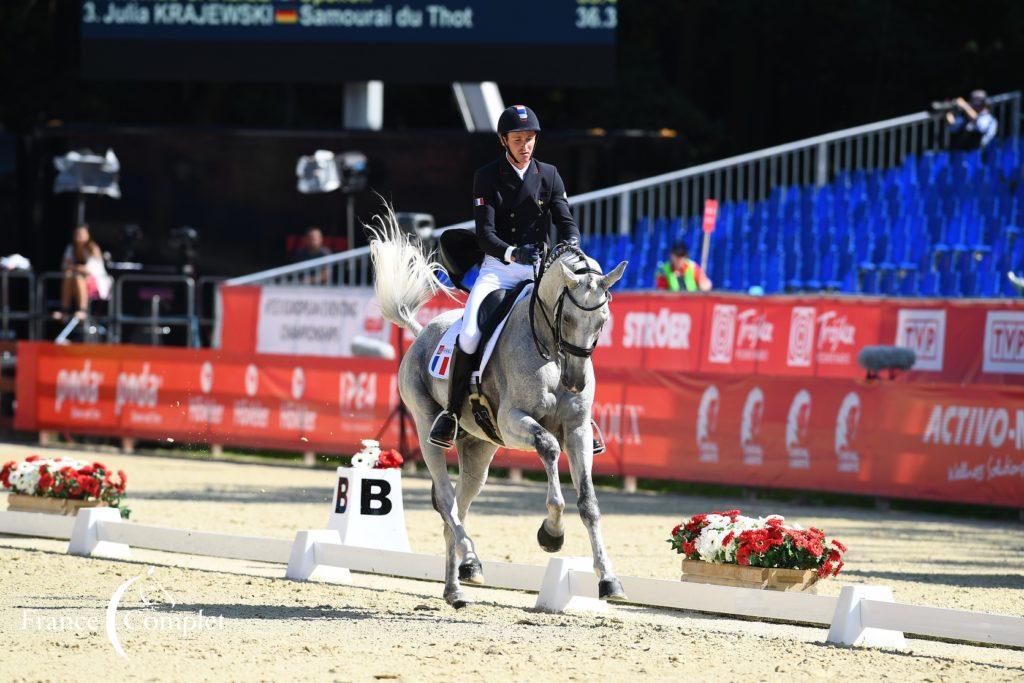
(440, 363)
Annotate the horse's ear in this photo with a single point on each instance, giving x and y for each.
(571, 279)
(611, 278)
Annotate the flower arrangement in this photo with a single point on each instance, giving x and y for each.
(65, 478)
(731, 538)
(372, 456)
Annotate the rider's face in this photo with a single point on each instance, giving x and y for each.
(521, 145)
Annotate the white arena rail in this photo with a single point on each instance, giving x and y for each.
(861, 615)
(36, 525)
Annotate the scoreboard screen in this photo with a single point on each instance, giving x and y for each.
(534, 42)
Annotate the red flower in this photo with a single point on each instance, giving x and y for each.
(32, 458)
(689, 548)
(775, 522)
(45, 481)
(88, 485)
(842, 548)
(389, 459)
(728, 538)
(123, 477)
(743, 555)
(5, 473)
(676, 528)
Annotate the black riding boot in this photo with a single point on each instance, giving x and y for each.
(446, 424)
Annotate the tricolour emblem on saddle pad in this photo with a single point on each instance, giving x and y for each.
(441, 361)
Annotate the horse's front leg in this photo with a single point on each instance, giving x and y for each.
(579, 445)
(525, 430)
(458, 544)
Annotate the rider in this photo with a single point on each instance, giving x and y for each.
(515, 200)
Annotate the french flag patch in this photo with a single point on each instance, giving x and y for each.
(521, 111)
(440, 361)
(479, 201)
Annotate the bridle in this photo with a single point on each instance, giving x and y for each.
(562, 346)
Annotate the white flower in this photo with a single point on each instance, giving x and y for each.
(369, 443)
(361, 461)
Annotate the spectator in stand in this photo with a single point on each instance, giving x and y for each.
(971, 125)
(312, 246)
(680, 273)
(85, 275)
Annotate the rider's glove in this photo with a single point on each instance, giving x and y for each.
(526, 254)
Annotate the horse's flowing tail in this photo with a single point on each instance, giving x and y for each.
(406, 278)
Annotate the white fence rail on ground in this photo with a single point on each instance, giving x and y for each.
(857, 614)
(680, 194)
(37, 525)
(189, 542)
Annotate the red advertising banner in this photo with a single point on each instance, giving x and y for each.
(902, 439)
(776, 336)
(286, 402)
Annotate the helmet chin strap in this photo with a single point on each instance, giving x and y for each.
(508, 150)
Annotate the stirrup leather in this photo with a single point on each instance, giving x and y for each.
(481, 408)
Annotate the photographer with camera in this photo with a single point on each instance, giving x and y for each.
(971, 125)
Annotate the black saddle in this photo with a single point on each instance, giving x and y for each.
(459, 252)
(495, 307)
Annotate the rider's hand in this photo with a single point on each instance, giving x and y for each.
(526, 254)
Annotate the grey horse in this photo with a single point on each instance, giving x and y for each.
(540, 405)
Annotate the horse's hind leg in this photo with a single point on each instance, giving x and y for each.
(457, 542)
(551, 533)
(474, 460)
(579, 442)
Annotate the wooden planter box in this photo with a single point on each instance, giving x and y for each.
(797, 580)
(18, 502)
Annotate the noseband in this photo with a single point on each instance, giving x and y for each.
(562, 347)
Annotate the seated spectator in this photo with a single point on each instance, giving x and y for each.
(312, 246)
(679, 273)
(971, 126)
(85, 275)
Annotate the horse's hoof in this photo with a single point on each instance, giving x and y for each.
(458, 600)
(470, 571)
(549, 543)
(610, 589)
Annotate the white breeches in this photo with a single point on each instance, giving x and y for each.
(493, 275)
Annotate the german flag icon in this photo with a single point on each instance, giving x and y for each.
(286, 16)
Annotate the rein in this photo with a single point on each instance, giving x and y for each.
(562, 346)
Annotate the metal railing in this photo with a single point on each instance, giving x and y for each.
(351, 267)
(157, 320)
(680, 194)
(93, 327)
(9, 314)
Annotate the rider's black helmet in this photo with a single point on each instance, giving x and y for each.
(518, 118)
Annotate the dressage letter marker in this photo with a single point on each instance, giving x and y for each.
(375, 497)
(341, 496)
(367, 509)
